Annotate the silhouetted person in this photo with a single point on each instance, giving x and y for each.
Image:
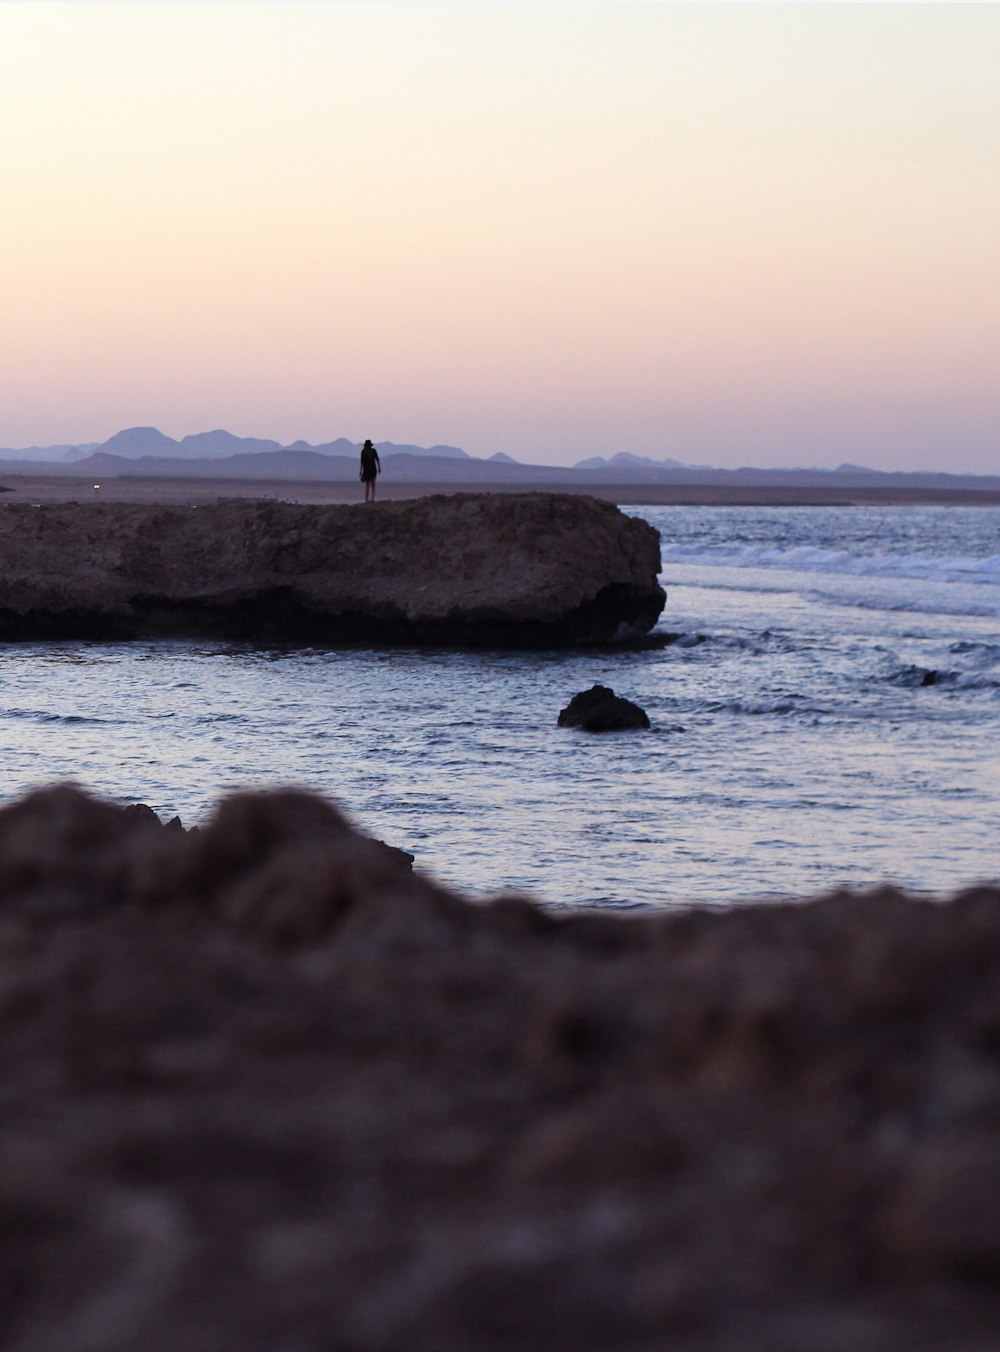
(371, 468)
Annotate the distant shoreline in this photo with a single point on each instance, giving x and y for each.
(179, 491)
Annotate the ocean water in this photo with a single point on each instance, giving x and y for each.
(829, 714)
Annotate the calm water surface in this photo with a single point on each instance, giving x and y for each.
(797, 743)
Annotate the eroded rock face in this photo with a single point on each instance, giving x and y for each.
(599, 709)
(264, 1087)
(518, 570)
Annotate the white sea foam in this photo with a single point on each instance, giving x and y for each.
(939, 600)
(955, 568)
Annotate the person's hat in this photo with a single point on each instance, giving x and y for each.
(367, 441)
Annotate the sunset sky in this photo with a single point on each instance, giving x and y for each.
(730, 234)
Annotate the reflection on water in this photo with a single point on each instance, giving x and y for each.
(790, 752)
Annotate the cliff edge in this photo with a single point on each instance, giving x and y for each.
(525, 570)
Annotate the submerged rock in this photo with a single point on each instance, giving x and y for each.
(599, 709)
(521, 570)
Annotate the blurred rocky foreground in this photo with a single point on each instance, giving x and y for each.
(264, 1088)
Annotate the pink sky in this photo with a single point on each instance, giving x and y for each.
(730, 234)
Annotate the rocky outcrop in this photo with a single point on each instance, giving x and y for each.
(599, 709)
(518, 570)
(143, 812)
(265, 1088)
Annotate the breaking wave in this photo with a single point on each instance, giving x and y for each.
(786, 704)
(913, 676)
(815, 559)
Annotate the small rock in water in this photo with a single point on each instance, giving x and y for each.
(599, 709)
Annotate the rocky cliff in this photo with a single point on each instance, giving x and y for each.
(525, 570)
(264, 1088)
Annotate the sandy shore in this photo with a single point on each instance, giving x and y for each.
(48, 489)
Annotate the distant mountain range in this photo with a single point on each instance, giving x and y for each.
(626, 460)
(147, 453)
(135, 442)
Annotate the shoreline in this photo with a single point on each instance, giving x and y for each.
(44, 489)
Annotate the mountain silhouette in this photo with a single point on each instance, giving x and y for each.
(146, 452)
(627, 459)
(134, 442)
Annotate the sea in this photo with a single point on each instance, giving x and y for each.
(825, 712)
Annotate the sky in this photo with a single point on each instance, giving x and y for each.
(728, 234)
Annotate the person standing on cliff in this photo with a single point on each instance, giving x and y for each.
(371, 468)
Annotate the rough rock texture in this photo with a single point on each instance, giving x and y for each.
(522, 570)
(599, 709)
(263, 1088)
(144, 813)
